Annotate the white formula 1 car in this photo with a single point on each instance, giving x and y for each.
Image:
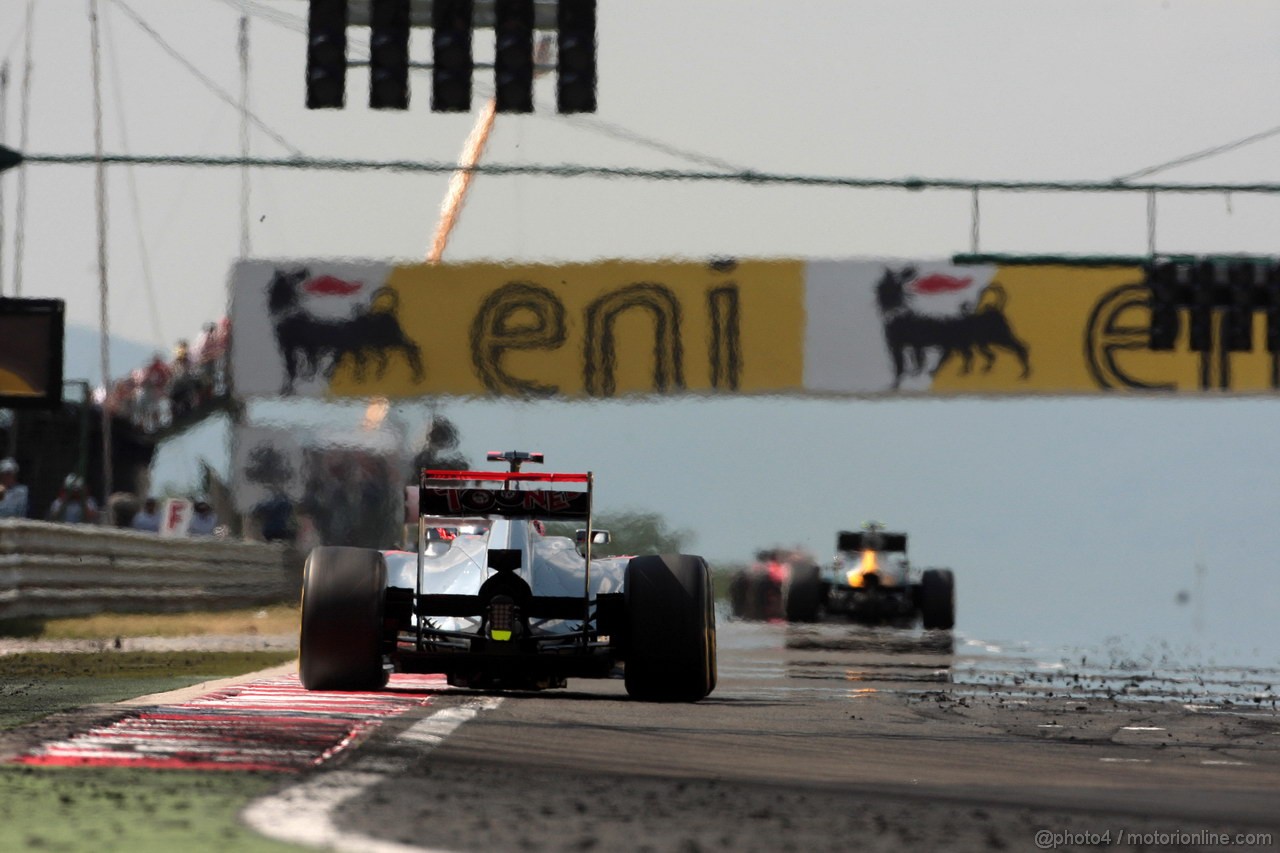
(494, 604)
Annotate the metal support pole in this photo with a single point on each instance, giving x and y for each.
(244, 136)
(11, 443)
(1151, 223)
(975, 219)
(586, 574)
(101, 199)
(24, 126)
(4, 140)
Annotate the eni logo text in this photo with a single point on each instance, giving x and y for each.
(524, 315)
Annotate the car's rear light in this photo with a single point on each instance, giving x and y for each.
(502, 618)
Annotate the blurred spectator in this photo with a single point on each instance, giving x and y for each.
(13, 496)
(184, 390)
(155, 395)
(441, 436)
(210, 357)
(137, 384)
(73, 505)
(204, 521)
(120, 508)
(330, 498)
(148, 518)
(202, 348)
(275, 518)
(155, 391)
(121, 401)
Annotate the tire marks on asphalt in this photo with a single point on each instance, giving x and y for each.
(271, 725)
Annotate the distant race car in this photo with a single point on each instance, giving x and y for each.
(492, 603)
(869, 581)
(761, 591)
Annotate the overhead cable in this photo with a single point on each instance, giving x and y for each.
(292, 22)
(577, 170)
(1203, 154)
(203, 78)
(144, 253)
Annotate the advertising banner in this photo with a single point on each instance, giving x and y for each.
(593, 330)
(844, 327)
(175, 517)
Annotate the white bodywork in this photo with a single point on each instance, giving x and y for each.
(551, 565)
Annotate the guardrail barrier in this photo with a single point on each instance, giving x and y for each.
(52, 570)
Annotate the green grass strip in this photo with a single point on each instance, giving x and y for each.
(139, 811)
(37, 684)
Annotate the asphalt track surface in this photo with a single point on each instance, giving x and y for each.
(817, 738)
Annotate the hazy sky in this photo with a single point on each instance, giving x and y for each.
(1051, 512)
(973, 89)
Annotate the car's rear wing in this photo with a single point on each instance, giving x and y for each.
(445, 495)
(497, 494)
(871, 540)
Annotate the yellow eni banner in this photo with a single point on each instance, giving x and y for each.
(606, 329)
(626, 328)
(1087, 330)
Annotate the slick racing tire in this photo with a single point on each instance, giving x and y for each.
(802, 593)
(938, 599)
(764, 598)
(671, 629)
(738, 595)
(343, 600)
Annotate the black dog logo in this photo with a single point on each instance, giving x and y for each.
(908, 333)
(306, 341)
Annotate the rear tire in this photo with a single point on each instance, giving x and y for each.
(343, 601)
(738, 588)
(802, 593)
(671, 629)
(759, 594)
(938, 599)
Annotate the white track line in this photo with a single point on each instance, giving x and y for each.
(303, 813)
